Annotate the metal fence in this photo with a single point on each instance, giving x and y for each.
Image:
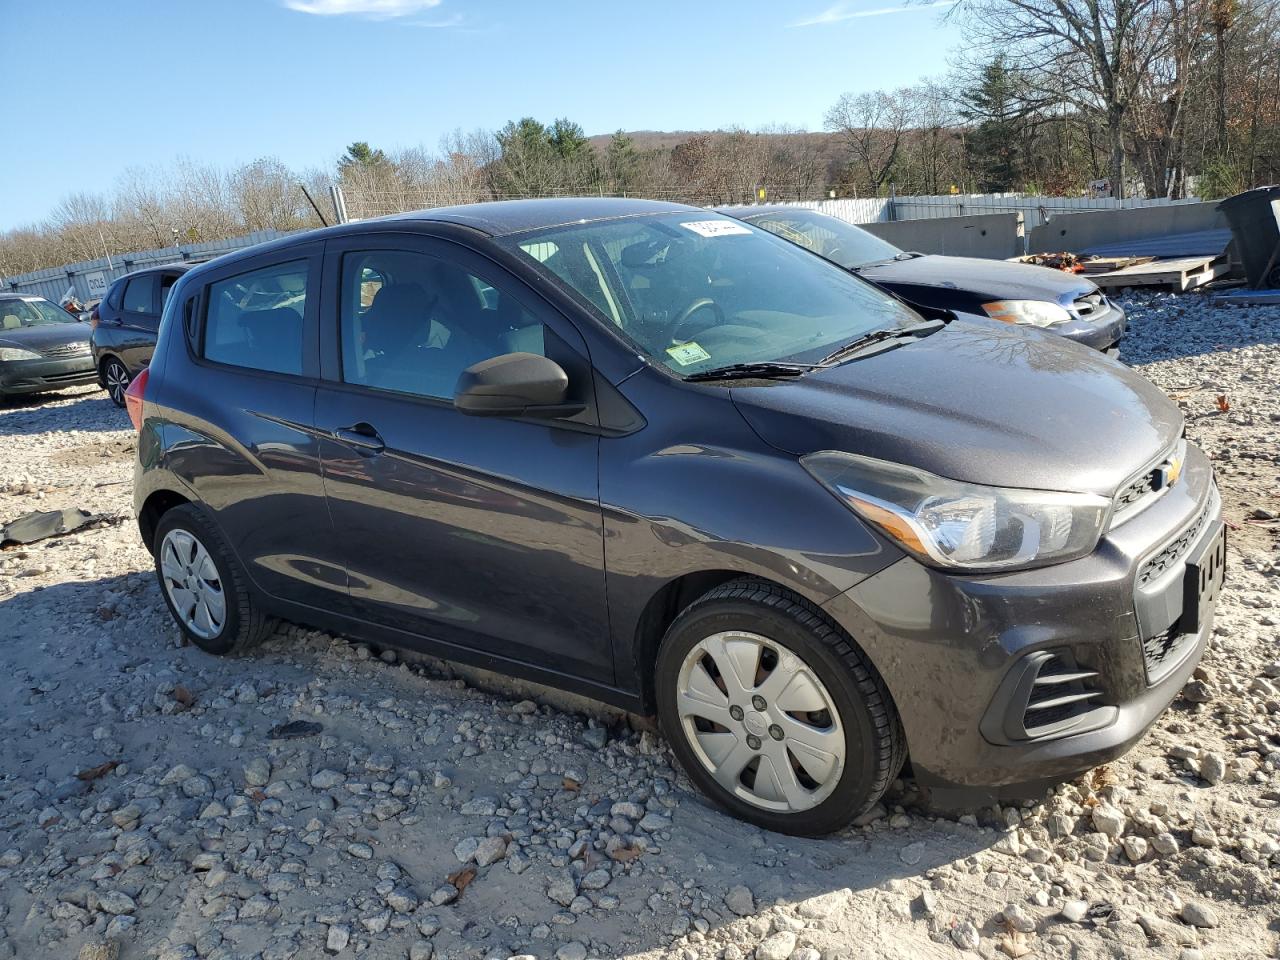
(90, 279)
(1035, 210)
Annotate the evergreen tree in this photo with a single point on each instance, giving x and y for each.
(567, 139)
(997, 145)
(622, 162)
(360, 154)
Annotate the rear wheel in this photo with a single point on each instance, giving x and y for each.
(204, 585)
(773, 712)
(115, 377)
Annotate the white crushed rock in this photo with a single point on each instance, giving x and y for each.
(428, 818)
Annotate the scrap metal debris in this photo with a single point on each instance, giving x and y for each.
(1064, 261)
(43, 524)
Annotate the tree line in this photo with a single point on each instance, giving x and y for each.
(1059, 97)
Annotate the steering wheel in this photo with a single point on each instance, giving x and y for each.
(702, 303)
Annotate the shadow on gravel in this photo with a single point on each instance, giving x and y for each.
(92, 412)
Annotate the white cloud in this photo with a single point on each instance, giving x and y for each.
(842, 11)
(454, 21)
(371, 9)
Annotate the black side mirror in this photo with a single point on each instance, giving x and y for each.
(514, 385)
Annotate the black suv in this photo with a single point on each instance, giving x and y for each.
(125, 325)
(674, 462)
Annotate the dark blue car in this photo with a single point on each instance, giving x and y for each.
(670, 461)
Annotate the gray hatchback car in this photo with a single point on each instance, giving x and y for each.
(668, 460)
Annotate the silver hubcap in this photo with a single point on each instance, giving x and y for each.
(117, 381)
(760, 721)
(193, 584)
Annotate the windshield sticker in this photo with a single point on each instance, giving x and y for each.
(716, 228)
(687, 353)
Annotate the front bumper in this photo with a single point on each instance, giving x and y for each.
(36, 376)
(1102, 331)
(949, 648)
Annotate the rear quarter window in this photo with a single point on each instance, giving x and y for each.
(255, 319)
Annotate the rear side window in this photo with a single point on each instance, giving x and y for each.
(255, 319)
(166, 284)
(139, 295)
(412, 323)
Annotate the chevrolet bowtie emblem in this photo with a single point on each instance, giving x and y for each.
(1168, 472)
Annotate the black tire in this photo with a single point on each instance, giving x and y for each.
(875, 745)
(245, 623)
(115, 380)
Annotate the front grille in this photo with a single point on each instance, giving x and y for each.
(66, 350)
(1141, 491)
(1139, 488)
(1060, 694)
(1175, 550)
(1165, 651)
(1090, 306)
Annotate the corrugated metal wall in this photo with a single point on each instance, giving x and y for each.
(1035, 210)
(91, 277)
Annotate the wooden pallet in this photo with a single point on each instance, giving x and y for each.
(1183, 273)
(1112, 264)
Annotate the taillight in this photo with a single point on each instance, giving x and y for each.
(94, 318)
(133, 397)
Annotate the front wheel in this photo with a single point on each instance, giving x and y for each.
(115, 377)
(773, 712)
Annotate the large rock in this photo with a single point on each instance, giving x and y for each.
(741, 901)
(1109, 820)
(776, 947)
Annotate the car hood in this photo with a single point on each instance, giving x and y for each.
(979, 401)
(45, 335)
(996, 279)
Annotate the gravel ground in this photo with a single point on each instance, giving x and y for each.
(421, 816)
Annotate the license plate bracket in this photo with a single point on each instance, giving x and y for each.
(1203, 583)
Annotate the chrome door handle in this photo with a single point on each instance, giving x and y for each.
(362, 436)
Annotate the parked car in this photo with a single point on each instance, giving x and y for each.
(125, 323)
(665, 459)
(42, 347)
(1069, 305)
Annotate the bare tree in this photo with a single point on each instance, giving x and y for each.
(1102, 49)
(872, 126)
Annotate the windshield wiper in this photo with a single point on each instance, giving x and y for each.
(764, 370)
(878, 336)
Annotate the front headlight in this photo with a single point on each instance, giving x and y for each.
(17, 353)
(965, 526)
(1032, 313)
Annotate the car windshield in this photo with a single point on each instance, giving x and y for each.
(698, 291)
(31, 313)
(840, 242)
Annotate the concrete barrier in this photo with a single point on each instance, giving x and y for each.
(1081, 231)
(994, 236)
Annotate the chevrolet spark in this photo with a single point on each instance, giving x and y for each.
(670, 461)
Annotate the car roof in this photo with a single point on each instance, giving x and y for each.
(180, 266)
(746, 213)
(495, 218)
(19, 295)
(501, 217)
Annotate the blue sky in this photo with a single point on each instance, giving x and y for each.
(138, 83)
